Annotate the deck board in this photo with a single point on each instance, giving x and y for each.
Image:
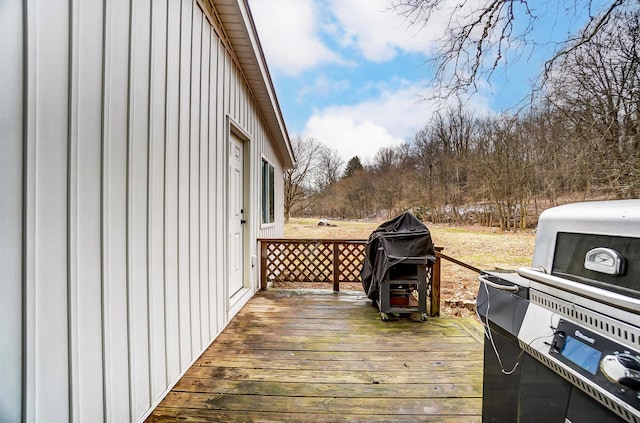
(325, 357)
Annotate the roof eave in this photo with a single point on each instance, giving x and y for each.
(241, 32)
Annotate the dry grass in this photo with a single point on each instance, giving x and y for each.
(481, 247)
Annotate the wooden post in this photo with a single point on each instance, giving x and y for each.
(435, 287)
(336, 268)
(263, 265)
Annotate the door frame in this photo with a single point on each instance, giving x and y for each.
(236, 301)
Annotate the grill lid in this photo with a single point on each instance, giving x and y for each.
(608, 262)
(592, 243)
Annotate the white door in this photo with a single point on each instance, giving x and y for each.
(236, 217)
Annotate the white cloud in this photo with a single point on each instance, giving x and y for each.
(378, 32)
(288, 31)
(391, 118)
(362, 129)
(302, 34)
(349, 136)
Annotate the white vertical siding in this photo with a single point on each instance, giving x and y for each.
(114, 176)
(137, 210)
(46, 275)
(114, 207)
(194, 184)
(157, 101)
(184, 105)
(221, 172)
(11, 210)
(213, 233)
(203, 153)
(85, 278)
(171, 224)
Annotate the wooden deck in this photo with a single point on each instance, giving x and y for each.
(292, 356)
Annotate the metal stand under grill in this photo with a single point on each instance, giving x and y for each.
(396, 289)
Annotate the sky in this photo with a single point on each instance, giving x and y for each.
(353, 73)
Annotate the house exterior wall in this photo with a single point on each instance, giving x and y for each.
(115, 120)
(11, 210)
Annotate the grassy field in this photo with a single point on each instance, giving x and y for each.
(481, 247)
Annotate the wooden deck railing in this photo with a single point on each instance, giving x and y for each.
(333, 261)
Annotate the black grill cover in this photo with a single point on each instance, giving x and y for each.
(392, 242)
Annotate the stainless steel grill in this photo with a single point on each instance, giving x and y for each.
(563, 336)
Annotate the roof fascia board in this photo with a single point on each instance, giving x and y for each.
(261, 84)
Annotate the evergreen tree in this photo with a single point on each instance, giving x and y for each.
(353, 166)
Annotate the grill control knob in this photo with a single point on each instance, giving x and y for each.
(623, 369)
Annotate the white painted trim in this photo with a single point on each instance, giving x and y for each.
(236, 128)
(232, 302)
(239, 300)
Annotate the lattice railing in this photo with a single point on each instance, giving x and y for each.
(305, 260)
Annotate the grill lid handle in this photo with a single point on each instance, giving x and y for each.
(598, 294)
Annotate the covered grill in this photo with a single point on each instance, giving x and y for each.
(563, 337)
(398, 255)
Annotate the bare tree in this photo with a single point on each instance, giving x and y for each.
(358, 194)
(317, 168)
(441, 152)
(599, 96)
(504, 169)
(482, 36)
(454, 130)
(329, 168)
(428, 157)
(298, 182)
(393, 173)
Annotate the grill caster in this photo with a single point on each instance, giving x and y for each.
(419, 317)
(387, 317)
